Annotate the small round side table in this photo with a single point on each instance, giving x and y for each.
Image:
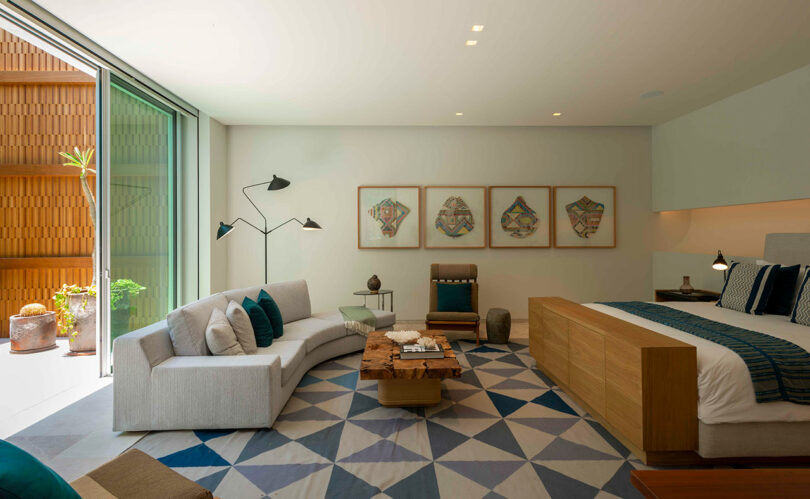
(380, 296)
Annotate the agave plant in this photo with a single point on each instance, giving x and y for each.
(81, 159)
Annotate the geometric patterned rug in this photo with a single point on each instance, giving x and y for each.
(501, 430)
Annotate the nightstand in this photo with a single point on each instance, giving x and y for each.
(676, 295)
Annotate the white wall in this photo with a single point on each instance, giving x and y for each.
(213, 145)
(751, 147)
(326, 164)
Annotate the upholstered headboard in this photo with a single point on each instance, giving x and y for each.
(787, 249)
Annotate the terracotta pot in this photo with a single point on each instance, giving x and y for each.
(34, 333)
(83, 335)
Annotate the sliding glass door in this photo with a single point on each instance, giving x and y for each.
(142, 206)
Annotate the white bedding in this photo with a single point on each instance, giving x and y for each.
(725, 391)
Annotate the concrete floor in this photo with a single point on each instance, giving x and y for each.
(38, 384)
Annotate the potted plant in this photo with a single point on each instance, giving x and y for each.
(76, 316)
(32, 330)
(121, 292)
(76, 306)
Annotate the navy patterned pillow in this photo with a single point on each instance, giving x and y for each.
(801, 310)
(748, 287)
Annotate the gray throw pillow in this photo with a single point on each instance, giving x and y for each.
(220, 337)
(240, 322)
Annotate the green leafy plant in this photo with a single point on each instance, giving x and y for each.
(65, 318)
(122, 288)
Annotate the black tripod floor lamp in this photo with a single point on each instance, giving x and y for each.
(276, 184)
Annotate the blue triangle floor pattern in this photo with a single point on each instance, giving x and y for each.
(501, 430)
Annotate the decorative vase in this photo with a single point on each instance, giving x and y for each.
(374, 284)
(686, 287)
(83, 336)
(33, 333)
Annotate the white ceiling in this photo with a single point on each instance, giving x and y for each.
(386, 62)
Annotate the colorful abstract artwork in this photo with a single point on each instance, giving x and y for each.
(519, 220)
(455, 218)
(585, 216)
(389, 214)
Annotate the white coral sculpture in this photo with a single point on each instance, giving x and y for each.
(403, 337)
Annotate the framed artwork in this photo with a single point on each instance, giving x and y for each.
(388, 217)
(455, 217)
(520, 216)
(584, 216)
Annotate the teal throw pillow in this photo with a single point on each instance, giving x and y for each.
(23, 476)
(262, 328)
(270, 308)
(454, 297)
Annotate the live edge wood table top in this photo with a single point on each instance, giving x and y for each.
(722, 483)
(381, 360)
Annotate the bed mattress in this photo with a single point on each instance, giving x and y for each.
(725, 391)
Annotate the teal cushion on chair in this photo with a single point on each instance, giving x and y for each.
(23, 476)
(262, 328)
(454, 297)
(270, 308)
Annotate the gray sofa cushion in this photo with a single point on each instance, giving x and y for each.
(240, 322)
(385, 319)
(220, 337)
(291, 354)
(292, 298)
(187, 325)
(314, 332)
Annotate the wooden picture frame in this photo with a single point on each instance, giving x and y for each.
(504, 197)
(567, 235)
(436, 198)
(378, 231)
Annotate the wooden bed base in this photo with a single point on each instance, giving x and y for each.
(640, 385)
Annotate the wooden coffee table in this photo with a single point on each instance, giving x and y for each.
(407, 383)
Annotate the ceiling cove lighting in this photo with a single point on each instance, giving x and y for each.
(477, 27)
(557, 114)
(471, 43)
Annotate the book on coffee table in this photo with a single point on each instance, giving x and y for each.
(420, 352)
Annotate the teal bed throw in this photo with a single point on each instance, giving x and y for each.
(359, 319)
(780, 370)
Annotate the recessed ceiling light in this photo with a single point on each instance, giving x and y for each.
(471, 43)
(459, 114)
(478, 27)
(556, 114)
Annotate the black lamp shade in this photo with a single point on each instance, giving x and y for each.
(277, 183)
(720, 262)
(310, 225)
(224, 230)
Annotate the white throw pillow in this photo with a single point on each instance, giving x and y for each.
(240, 322)
(220, 337)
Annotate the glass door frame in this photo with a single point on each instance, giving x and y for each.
(106, 81)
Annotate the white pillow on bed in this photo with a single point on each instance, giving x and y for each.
(801, 310)
(748, 287)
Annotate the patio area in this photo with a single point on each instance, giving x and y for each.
(39, 384)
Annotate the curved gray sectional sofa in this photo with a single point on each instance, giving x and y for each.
(166, 379)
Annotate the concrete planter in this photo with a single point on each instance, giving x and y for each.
(34, 333)
(83, 334)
